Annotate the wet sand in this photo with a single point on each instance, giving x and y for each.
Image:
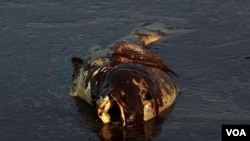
(38, 39)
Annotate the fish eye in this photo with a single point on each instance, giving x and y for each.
(147, 96)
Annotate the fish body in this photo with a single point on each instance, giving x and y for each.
(132, 82)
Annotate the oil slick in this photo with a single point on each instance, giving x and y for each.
(132, 82)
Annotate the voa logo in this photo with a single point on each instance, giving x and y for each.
(236, 132)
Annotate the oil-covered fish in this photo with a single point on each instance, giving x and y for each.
(131, 86)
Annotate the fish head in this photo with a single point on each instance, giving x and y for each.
(135, 94)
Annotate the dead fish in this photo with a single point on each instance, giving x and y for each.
(130, 86)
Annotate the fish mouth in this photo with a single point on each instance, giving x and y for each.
(111, 111)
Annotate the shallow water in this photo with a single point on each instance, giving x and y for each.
(39, 37)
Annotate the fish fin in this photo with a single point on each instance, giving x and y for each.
(77, 62)
(135, 54)
(147, 37)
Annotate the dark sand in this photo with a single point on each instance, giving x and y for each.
(38, 38)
